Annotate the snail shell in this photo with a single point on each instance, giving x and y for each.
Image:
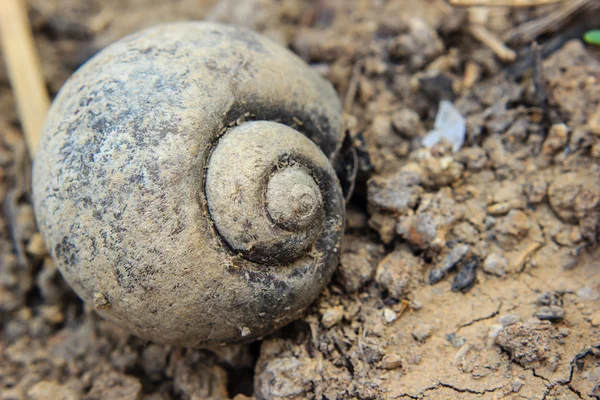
(184, 184)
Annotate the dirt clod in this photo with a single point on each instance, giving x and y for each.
(528, 343)
(399, 272)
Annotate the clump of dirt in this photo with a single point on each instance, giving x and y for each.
(464, 274)
(531, 342)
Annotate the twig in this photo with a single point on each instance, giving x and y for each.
(553, 22)
(403, 307)
(24, 70)
(472, 73)
(493, 42)
(522, 258)
(540, 95)
(527, 59)
(352, 87)
(501, 3)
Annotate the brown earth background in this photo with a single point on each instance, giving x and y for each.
(508, 224)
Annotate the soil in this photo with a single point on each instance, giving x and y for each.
(468, 274)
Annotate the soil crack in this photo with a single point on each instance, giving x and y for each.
(461, 390)
(484, 318)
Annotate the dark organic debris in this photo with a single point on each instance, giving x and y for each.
(550, 313)
(466, 277)
(448, 264)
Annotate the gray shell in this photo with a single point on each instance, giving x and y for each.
(119, 183)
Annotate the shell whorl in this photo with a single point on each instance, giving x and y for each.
(133, 197)
(268, 189)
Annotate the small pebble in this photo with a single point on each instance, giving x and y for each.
(36, 246)
(421, 332)
(25, 314)
(596, 320)
(332, 316)
(407, 123)
(495, 264)
(416, 305)
(455, 340)
(516, 385)
(547, 299)
(587, 293)
(389, 315)
(503, 207)
(52, 390)
(509, 319)
(52, 314)
(436, 275)
(550, 313)
(391, 361)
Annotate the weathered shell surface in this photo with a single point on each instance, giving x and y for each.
(119, 183)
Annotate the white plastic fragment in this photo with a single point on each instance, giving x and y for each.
(493, 334)
(450, 125)
(389, 315)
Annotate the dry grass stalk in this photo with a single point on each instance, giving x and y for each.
(553, 22)
(24, 70)
(501, 3)
(503, 52)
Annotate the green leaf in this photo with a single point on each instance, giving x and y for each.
(592, 37)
